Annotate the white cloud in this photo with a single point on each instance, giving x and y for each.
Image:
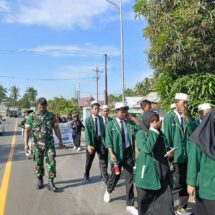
(4, 6)
(72, 50)
(63, 14)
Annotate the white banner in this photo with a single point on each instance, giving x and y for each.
(66, 133)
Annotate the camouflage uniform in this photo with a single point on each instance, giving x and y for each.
(43, 142)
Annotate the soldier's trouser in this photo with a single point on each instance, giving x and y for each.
(49, 154)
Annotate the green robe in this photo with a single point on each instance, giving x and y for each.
(113, 138)
(146, 173)
(178, 137)
(90, 132)
(201, 173)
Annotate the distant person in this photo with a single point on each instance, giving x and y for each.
(201, 166)
(146, 106)
(153, 177)
(119, 136)
(203, 109)
(63, 120)
(95, 142)
(42, 123)
(76, 132)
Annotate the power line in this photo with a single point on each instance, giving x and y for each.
(45, 79)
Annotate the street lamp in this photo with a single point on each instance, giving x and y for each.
(122, 46)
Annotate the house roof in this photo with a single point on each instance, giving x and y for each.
(84, 102)
(152, 97)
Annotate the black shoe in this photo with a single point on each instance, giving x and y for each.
(51, 185)
(39, 183)
(86, 179)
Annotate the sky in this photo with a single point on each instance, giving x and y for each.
(52, 45)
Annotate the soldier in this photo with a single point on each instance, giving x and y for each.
(94, 137)
(42, 123)
(178, 126)
(119, 133)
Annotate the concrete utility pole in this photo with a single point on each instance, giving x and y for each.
(97, 82)
(106, 81)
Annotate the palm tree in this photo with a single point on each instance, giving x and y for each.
(3, 93)
(14, 94)
(31, 94)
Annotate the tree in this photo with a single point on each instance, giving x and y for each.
(199, 87)
(182, 35)
(14, 94)
(144, 87)
(31, 94)
(3, 93)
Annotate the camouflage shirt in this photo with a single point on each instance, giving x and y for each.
(42, 127)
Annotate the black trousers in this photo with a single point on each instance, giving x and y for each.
(155, 202)
(102, 155)
(77, 139)
(204, 207)
(180, 175)
(127, 165)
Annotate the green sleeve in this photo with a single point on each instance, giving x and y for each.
(194, 158)
(168, 129)
(87, 132)
(108, 137)
(146, 143)
(29, 122)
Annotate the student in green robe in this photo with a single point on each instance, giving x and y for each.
(153, 178)
(95, 143)
(201, 166)
(146, 107)
(178, 126)
(118, 140)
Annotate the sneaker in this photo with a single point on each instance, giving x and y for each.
(107, 197)
(182, 211)
(74, 147)
(132, 210)
(79, 149)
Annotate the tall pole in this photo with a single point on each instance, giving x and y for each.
(97, 82)
(106, 81)
(122, 52)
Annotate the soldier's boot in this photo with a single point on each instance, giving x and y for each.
(51, 185)
(39, 183)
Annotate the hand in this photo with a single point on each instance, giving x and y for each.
(26, 149)
(90, 149)
(156, 125)
(191, 190)
(60, 145)
(169, 154)
(113, 157)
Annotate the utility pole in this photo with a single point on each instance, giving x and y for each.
(97, 82)
(119, 7)
(106, 81)
(78, 91)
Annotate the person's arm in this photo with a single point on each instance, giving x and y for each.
(193, 168)
(58, 134)
(27, 133)
(168, 129)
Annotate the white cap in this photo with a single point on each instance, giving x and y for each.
(181, 96)
(204, 106)
(104, 107)
(95, 102)
(120, 105)
(172, 106)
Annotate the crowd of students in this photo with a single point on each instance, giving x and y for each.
(177, 154)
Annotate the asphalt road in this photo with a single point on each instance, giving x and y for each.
(74, 196)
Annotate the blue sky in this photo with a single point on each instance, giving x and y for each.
(67, 39)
